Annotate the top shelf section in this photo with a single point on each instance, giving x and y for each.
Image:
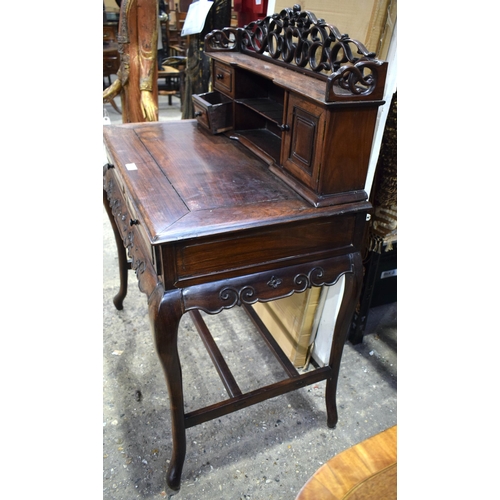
(337, 68)
(279, 76)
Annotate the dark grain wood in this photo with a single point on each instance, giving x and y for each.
(220, 364)
(273, 205)
(321, 149)
(256, 396)
(208, 226)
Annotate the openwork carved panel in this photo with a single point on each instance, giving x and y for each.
(309, 45)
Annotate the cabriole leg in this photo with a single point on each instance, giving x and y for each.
(165, 319)
(352, 287)
(122, 257)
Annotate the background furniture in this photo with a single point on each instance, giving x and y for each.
(171, 77)
(367, 471)
(110, 56)
(178, 42)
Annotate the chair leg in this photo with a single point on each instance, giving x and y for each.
(115, 107)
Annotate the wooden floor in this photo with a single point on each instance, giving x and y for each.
(367, 471)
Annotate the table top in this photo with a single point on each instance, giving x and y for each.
(366, 471)
(188, 183)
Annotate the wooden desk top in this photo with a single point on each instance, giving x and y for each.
(189, 183)
(367, 471)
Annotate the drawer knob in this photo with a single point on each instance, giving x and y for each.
(198, 113)
(220, 76)
(285, 128)
(134, 222)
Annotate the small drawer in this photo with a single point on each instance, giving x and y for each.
(223, 78)
(213, 111)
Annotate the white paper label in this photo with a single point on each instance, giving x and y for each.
(130, 166)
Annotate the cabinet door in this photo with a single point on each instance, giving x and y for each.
(302, 141)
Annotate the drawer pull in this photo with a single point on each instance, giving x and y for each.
(134, 222)
(198, 113)
(285, 128)
(220, 76)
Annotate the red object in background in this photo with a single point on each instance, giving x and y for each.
(250, 10)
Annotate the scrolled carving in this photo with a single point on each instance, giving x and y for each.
(214, 297)
(312, 278)
(360, 79)
(316, 276)
(309, 45)
(227, 39)
(233, 297)
(302, 281)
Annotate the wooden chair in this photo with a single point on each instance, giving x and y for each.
(179, 48)
(171, 77)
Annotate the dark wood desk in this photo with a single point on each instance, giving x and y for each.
(209, 227)
(212, 221)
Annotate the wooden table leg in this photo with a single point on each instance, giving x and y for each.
(165, 318)
(352, 289)
(122, 257)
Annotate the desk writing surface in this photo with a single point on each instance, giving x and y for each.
(189, 183)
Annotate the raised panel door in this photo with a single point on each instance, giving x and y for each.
(302, 142)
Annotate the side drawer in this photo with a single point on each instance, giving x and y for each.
(223, 77)
(213, 111)
(206, 259)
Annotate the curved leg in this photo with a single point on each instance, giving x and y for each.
(122, 257)
(165, 319)
(351, 293)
